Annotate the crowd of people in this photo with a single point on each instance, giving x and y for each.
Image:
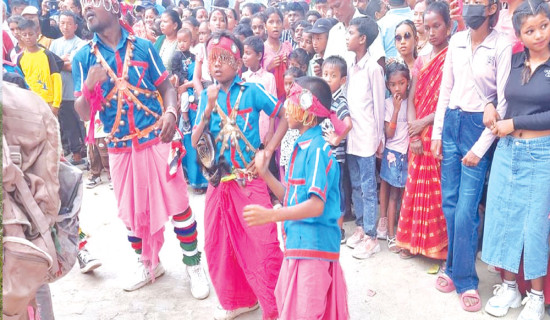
(426, 121)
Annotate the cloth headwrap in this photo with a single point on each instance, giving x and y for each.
(225, 49)
(112, 6)
(310, 105)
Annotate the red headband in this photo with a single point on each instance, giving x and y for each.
(222, 46)
(309, 102)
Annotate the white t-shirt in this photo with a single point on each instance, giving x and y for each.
(336, 44)
(400, 140)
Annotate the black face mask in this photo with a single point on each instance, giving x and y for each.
(474, 15)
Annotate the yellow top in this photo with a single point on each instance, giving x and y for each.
(42, 75)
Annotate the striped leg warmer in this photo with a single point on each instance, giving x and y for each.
(185, 228)
(82, 239)
(135, 241)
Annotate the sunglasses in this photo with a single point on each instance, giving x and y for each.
(399, 37)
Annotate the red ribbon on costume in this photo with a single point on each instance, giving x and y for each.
(177, 151)
(94, 98)
(309, 102)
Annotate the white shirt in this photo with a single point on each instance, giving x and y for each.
(366, 95)
(400, 140)
(336, 44)
(472, 79)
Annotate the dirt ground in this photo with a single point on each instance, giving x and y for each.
(402, 288)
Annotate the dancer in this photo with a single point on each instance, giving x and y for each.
(121, 77)
(243, 262)
(311, 274)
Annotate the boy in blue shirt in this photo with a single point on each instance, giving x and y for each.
(311, 196)
(122, 78)
(244, 262)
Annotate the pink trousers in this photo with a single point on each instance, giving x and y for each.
(244, 262)
(147, 196)
(311, 290)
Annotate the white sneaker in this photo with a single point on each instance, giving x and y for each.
(142, 277)
(222, 314)
(366, 248)
(356, 238)
(382, 229)
(199, 283)
(504, 298)
(534, 307)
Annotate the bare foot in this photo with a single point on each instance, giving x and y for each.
(469, 300)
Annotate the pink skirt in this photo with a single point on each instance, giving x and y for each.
(147, 195)
(311, 289)
(243, 261)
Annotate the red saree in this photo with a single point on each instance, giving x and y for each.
(422, 228)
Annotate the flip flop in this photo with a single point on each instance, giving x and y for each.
(469, 294)
(449, 287)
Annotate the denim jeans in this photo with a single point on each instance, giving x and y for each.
(363, 191)
(461, 190)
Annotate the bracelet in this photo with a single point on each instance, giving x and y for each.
(393, 125)
(415, 138)
(171, 110)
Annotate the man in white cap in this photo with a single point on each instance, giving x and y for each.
(31, 13)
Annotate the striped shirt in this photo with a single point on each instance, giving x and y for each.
(340, 107)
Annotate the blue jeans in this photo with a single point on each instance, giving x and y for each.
(363, 191)
(461, 190)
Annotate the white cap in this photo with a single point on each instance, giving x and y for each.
(30, 10)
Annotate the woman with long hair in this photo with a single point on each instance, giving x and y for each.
(167, 43)
(422, 229)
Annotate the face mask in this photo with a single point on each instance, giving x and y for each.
(474, 15)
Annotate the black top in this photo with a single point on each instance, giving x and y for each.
(181, 62)
(529, 104)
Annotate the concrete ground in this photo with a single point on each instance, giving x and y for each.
(402, 288)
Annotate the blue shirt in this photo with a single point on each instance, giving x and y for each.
(254, 99)
(387, 28)
(146, 71)
(313, 171)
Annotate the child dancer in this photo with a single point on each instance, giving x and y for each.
(393, 172)
(312, 199)
(366, 139)
(243, 262)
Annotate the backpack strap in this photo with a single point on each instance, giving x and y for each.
(40, 224)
